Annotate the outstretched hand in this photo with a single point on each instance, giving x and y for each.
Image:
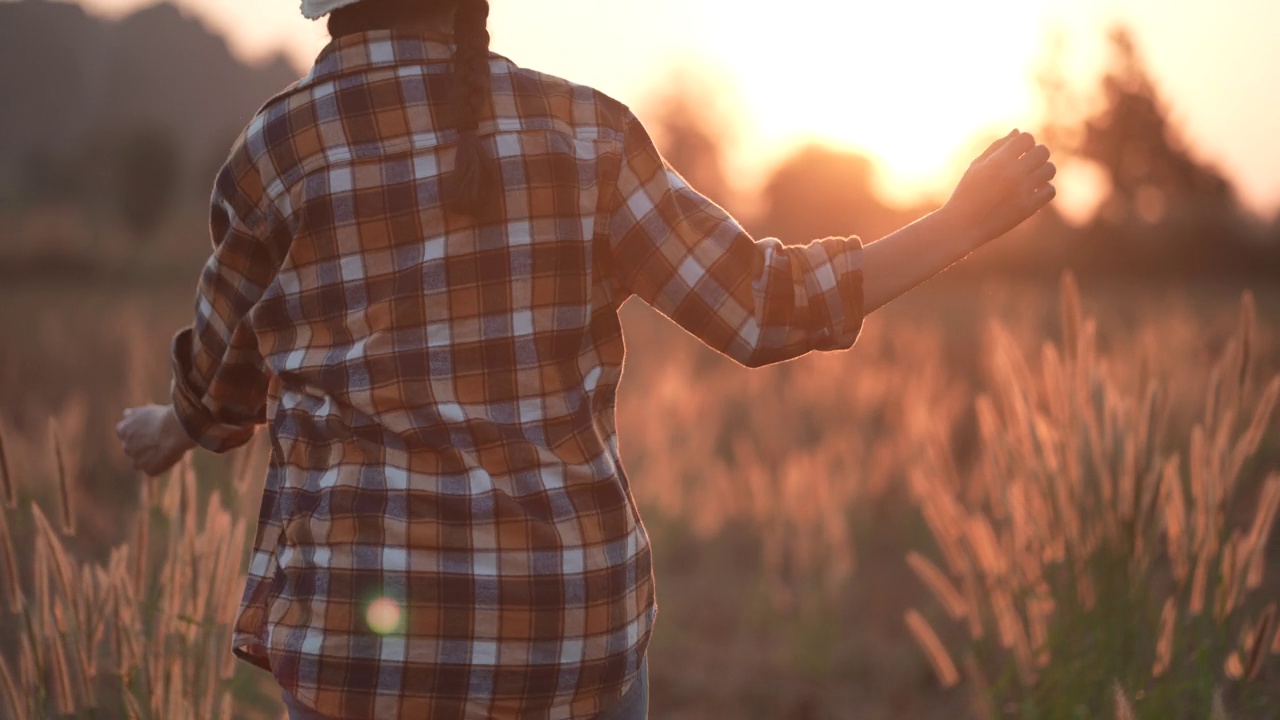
(1004, 186)
(153, 438)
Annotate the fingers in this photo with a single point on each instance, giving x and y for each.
(995, 146)
(124, 423)
(1042, 195)
(1034, 158)
(138, 464)
(1014, 148)
(127, 432)
(131, 441)
(149, 460)
(1042, 174)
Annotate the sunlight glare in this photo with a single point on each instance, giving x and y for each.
(384, 616)
(907, 84)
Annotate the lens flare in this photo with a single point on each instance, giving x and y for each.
(383, 616)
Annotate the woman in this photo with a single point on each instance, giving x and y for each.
(420, 250)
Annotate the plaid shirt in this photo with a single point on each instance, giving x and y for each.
(446, 530)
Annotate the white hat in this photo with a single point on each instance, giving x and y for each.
(315, 9)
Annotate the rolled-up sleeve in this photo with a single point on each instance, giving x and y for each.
(220, 380)
(757, 301)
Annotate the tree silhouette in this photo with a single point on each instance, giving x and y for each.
(1153, 175)
(1164, 210)
(690, 133)
(48, 178)
(819, 191)
(145, 179)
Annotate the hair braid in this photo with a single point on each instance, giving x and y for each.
(469, 189)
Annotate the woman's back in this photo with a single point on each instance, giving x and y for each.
(453, 333)
(444, 389)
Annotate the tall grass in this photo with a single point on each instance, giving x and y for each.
(1092, 551)
(1084, 522)
(143, 635)
(787, 451)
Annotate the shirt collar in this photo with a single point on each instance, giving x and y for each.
(379, 48)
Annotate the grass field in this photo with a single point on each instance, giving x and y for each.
(1007, 501)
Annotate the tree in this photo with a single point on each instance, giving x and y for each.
(1164, 210)
(1152, 173)
(690, 132)
(47, 178)
(145, 179)
(819, 191)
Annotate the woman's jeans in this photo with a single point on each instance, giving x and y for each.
(633, 706)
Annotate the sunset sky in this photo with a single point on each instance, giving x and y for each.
(910, 82)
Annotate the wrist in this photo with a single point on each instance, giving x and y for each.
(961, 230)
(176, 431)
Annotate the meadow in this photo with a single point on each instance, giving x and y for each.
(1010, 500)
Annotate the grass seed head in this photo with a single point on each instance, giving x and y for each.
(12, 581)
(9, 691)
(934, 650)
(1164, 646)
(65, 506)
(1257, 647)
(8, 493)
(1070, 314)
(937, 582)
(60, 675)
(1233, 668)
(1124, 708)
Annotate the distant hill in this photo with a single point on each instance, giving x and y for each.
(69, 79)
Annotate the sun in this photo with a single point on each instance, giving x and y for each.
(909, 84)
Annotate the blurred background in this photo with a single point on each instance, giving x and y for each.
(794, 510)
(804, 120)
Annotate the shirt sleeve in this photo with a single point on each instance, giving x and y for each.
(220, 379)
(757, 301)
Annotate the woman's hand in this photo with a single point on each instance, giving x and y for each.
(1004, 186)
(153, 438)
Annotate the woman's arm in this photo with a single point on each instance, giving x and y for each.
(1003, 187)
(220, 379)
(760, 301)
(757, 301)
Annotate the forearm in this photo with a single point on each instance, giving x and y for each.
(902, 260)
(220, 406)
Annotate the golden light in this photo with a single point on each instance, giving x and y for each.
(384, 616)
(909, 84)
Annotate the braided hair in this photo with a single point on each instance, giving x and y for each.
(469, 189)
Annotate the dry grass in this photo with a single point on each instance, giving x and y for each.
(1083, 523)
(144, 635)
(1097, 546)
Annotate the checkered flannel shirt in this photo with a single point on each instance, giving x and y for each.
(440, 391)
